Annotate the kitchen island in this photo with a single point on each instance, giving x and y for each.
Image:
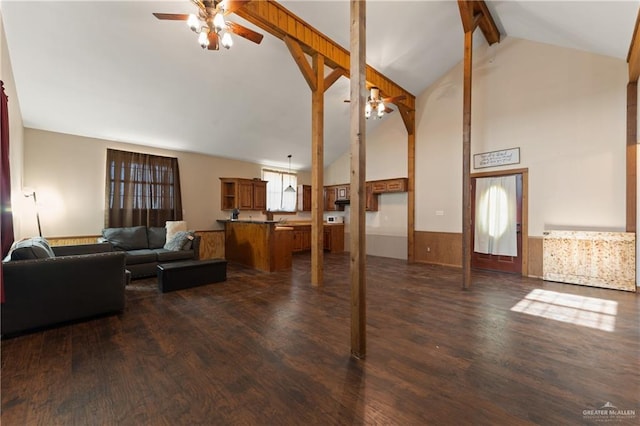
(261, 244)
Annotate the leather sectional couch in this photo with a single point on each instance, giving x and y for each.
(144, 248)
(46, 286)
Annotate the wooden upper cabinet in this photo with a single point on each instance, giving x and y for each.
(304, 198)
(330, 199)
(259, 195)
(389, 185)
(243, 194)
(371, 203)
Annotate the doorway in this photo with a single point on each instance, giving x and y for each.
(499, 216)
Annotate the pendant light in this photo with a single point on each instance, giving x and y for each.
(289, 188)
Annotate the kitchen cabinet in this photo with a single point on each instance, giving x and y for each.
(304, 198)
(389, 185)
(330, 199)
(371, 203)
(333, 237)
(243, 194)
(301, 238)
(326, 241)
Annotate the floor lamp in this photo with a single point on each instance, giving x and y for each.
(35, 202)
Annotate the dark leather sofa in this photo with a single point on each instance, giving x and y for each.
(144, 248)
(79, 282)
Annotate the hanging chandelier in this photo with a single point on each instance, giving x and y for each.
(206, 26)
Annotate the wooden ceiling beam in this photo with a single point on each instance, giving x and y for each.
(332, 77)
(278, 21)
(475, 13)
(301, 61)
(633, 58)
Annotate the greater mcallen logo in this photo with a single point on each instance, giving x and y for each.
(609, 413)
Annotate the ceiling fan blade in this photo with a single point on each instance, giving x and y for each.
(213, 41)
(231, 6)
(172, 16)
(387, 110)
(244, 32)
(394, 99)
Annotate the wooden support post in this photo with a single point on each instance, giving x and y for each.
(466, 163)
(632, 159)
(317, 171)
(411, 193)
(358, 248)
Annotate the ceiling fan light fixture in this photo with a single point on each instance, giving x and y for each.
(193, 22)
(368, 109)
(381, 108)
(218, 22)
(226, 40)
(375, 94)
(203, 39)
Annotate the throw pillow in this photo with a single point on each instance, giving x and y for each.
(178, 241)
(174, 226)
(188, 245)
(31, 248)
(157, 237)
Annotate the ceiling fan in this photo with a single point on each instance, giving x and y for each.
(210, 24)
(378, 104)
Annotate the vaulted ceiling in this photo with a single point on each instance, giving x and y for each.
(111, 70)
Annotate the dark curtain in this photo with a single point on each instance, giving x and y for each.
(141, 189)
(6, 216)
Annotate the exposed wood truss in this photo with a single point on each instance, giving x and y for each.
(280, 22)
(633, 57)
(473, 14)
(476, 13)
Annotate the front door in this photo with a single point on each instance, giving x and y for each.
(493, 220)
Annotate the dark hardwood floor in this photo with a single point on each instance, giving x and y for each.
(268, 349)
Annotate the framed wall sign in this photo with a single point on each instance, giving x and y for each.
(496, 158)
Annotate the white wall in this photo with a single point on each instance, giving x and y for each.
(16, 136)
(386, 158)
(68, 173)
(566, 111)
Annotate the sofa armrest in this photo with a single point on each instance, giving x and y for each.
(82, 249)
(43, 292)
(196, 247)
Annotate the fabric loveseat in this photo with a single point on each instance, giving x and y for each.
(146, 247)
(46, 286)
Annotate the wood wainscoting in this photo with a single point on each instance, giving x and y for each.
(439, 248)
(211, 244)
(535, 257)
(445, 248)
(72, 241)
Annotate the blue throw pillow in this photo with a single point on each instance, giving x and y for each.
(31, 248)
(178, 241)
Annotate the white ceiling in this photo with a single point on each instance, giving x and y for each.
(111, 70)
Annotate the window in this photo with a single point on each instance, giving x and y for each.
(279, 200)
(141, 189)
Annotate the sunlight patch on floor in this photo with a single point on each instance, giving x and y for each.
(570, 308)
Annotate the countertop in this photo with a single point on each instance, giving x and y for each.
(261, 222)
(277, 222)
